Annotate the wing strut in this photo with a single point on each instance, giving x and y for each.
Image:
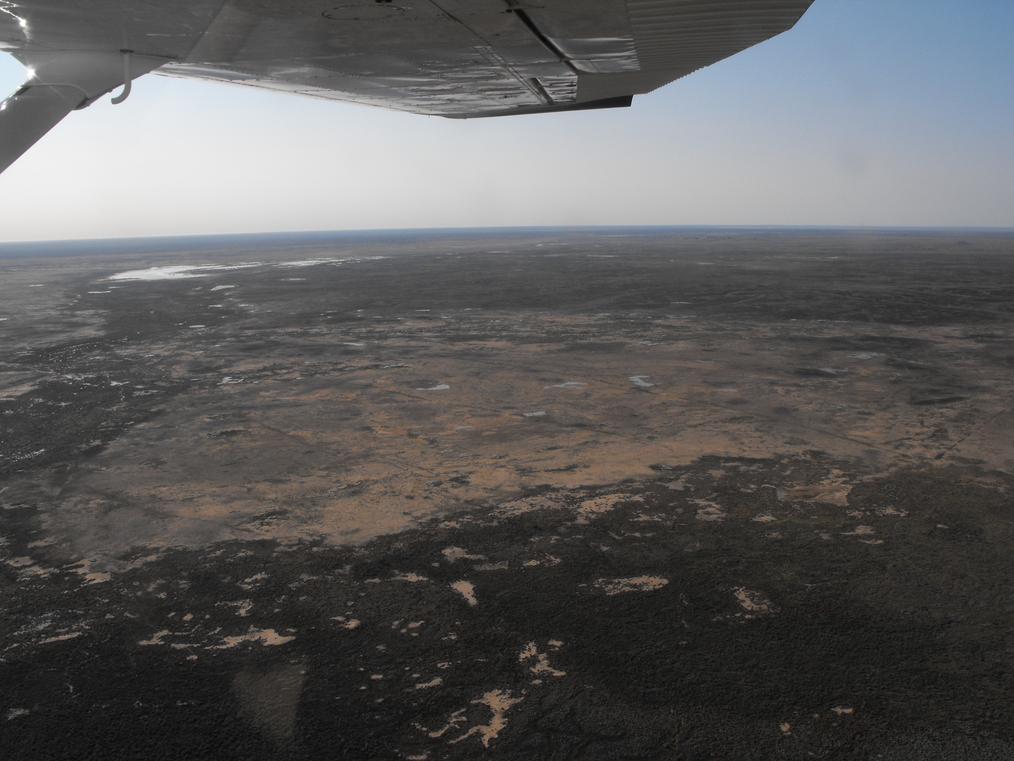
(59, 83)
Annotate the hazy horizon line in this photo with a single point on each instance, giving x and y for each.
(513, 228)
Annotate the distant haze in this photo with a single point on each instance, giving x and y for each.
(867, 113)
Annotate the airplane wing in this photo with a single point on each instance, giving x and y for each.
(453, 58)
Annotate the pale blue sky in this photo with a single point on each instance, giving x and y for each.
(869, 112)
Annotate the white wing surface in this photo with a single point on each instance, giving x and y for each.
(454, 58)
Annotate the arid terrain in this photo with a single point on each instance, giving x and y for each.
(625, 494)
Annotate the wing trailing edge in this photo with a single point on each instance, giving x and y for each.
(620, 101)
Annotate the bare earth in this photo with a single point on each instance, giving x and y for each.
(627, 494)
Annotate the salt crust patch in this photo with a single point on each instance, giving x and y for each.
(532, 504)
(500, 565)
(454, 554)
(632, 584)
(268, 637)
(329, 260)
(708, 511)
(467, 590)
(499, 703)
(586, 509)
(188, 271)
(411, 578)
(597, 506)
(753, 603)
(538, 663)
(261, 636)
(178, 271)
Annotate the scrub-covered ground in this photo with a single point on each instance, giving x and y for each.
(673, 495)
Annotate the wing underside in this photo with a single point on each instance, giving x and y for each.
(454, 58)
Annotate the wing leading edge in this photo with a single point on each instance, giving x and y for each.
(453, 58)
